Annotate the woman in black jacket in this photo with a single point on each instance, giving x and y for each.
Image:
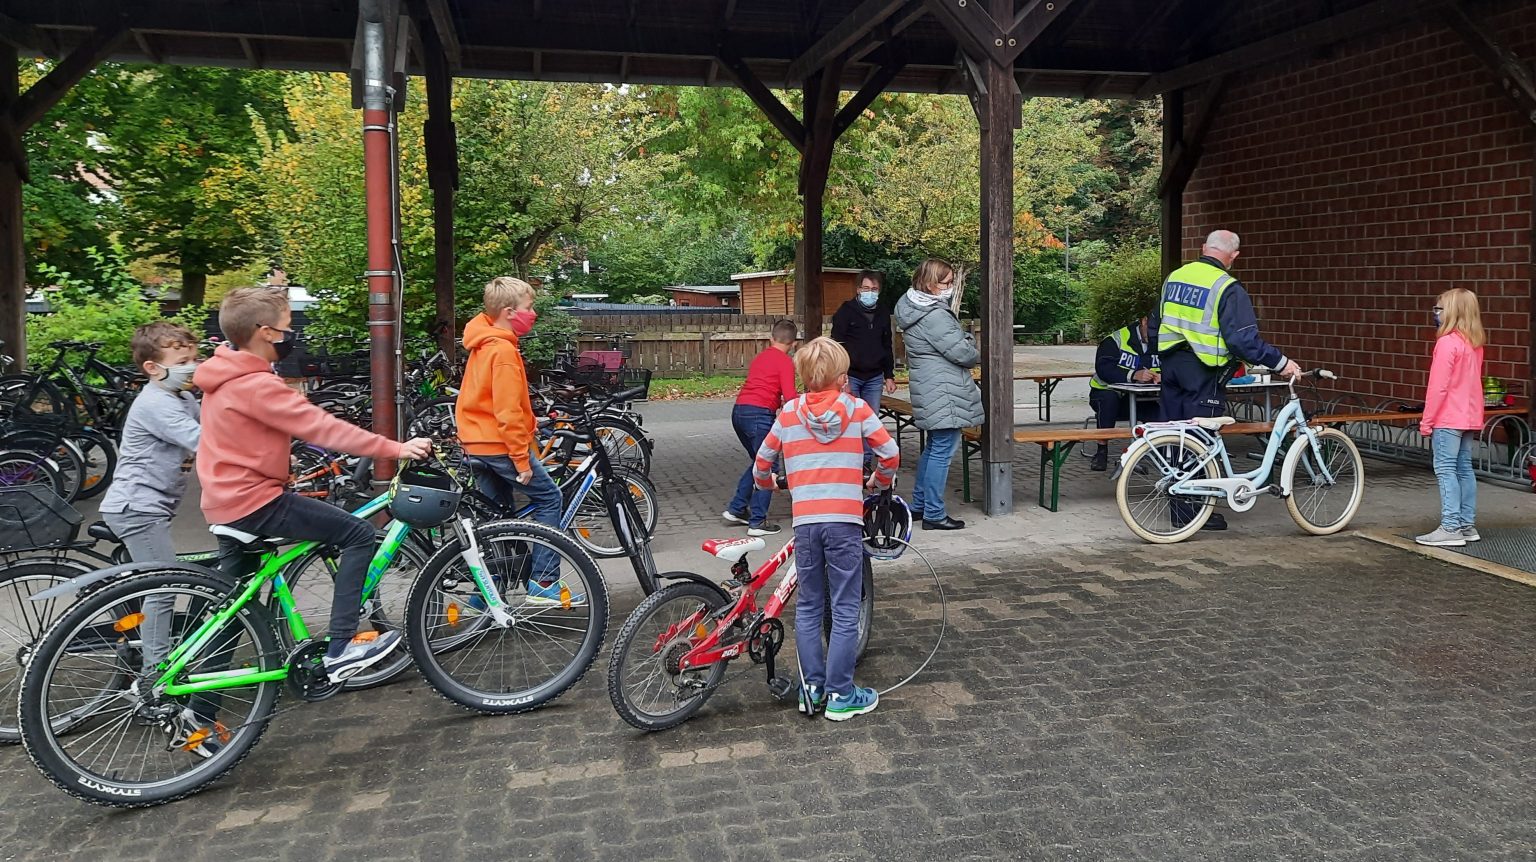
(864, 328)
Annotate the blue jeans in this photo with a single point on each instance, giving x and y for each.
(1453, 468)
(497, 477)
(829, 563)
(752, 425)
(933, 474)
(868, 389)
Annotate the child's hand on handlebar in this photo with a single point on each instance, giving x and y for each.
(416, 449)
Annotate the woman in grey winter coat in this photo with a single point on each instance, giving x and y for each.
(945, 398)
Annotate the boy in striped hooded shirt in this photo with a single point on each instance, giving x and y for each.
(821, 436)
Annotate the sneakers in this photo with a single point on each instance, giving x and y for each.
(818, 699)
(191, 733)
(1443, 538)
(555, 593)
(764, 529)
(739, 518)
(363, 651)
(843, 707)
(1471, 534)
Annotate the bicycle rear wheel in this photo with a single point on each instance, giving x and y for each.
(21, 467)
(645, 683)
(1318, 506)
(866, 611)
(22, 624)
(627, 445)
(1141, 492)
(96, 734)
(99, 456)
(547, 645)
(593, 528)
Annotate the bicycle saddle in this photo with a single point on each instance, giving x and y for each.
(241, 536)
(101, 532)
(732, 550)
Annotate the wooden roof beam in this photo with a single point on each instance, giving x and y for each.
(447, 33)
(253, 53)
(1360, 21)
(999, 42)
(1180, 163)
(850, 113)
(1514, 77)
(27, 37)
(888, 31)
(150, 52)
(841, 38)
(782, 119)
(35, 102)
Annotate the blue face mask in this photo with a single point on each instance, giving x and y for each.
(868, 298)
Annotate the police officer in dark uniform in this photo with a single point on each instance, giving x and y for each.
(1128, 355)
(1208, 324)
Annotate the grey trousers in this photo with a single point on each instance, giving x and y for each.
(147, 536)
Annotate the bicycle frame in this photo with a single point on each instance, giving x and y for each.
(709, 650)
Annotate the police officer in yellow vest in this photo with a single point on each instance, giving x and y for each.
(1208, 324)
(1129, 355)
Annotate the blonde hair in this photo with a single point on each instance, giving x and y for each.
(505, 292)
(930, 272)
(248, 309)
(819, 362)
(1458, 313)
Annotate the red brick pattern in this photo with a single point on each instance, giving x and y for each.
(1363, 183)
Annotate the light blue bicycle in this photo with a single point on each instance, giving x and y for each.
(1174, 472)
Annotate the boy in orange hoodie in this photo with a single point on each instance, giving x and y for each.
(250, 419)
(496, 422)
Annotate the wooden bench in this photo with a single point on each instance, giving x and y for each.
(1046, 384)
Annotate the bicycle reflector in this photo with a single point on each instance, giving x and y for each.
(424, 496)
(887, 525)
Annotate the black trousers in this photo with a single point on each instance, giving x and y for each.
(1190, 387)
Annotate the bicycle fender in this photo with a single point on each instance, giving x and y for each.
(101, 577)
(690, 576)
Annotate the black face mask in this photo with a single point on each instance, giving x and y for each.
(285, 347)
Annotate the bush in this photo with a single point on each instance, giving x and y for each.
(109, 321)
(1122, 289)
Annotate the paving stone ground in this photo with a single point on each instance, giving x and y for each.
(1254, 695)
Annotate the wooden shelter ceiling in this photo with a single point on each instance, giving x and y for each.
(1095, 48)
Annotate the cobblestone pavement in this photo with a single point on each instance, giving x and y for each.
(1254, 695)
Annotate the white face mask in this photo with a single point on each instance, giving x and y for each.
(177, 378)
(946, 294)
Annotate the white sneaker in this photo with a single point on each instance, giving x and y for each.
(1442, 538)
(364, 650)
(734, 518)
(1471, 534)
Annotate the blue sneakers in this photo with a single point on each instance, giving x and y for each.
(818, 700)
(843, 707)
(554, 593)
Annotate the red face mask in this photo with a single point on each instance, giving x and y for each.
(522, 321)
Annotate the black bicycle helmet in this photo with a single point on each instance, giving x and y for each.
(887, 525)
(424, 496)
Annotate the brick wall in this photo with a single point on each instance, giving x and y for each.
(1364, 183)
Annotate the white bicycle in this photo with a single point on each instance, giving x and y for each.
(1174, 472)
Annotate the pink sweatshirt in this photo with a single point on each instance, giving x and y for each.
(1455, 396)
(250, 417)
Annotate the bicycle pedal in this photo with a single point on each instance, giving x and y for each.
(783, 688)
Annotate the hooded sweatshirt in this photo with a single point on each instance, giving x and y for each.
(250, 419)
(821, 435)
(494, 413)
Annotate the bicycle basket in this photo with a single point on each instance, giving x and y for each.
(32, 516)
(629, 378)
(425, 496)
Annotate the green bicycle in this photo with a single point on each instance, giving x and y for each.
(107, 729)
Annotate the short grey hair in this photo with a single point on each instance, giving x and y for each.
(1224, 241)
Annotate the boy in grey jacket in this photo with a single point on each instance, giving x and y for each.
(159, 439)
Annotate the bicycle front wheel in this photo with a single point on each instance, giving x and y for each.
(95, 732)
(593, 528)
(647, 686)
(627, 445)
(556, 601)
(1142, 493)
(1326, 483)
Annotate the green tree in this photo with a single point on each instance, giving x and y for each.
(183, 156)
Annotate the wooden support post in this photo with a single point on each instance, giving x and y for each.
(442, 148)
(1172, 196)
(999, 108)
(821, 91)
(13, 265)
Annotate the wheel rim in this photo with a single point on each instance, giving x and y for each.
(95, 720)
(1322, 504)
(594, 528)
(544, 643)
(312, 582)
(1146, 497)
(649, 679)
(22, 623)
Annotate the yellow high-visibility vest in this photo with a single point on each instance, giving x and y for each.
(1191, 298)
(1129, 358)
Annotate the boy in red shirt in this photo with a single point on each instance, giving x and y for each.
(769, 385)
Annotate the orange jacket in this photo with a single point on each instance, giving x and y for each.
(494, 413)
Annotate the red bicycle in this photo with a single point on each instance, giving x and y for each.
(672, 653)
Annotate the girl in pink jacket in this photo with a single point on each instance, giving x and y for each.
(1453, 414)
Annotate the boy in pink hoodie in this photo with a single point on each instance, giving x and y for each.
(250, 419)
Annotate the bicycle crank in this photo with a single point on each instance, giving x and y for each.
(307, 677)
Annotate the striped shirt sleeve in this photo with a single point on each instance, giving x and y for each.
(887, 455)
(768, 455)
